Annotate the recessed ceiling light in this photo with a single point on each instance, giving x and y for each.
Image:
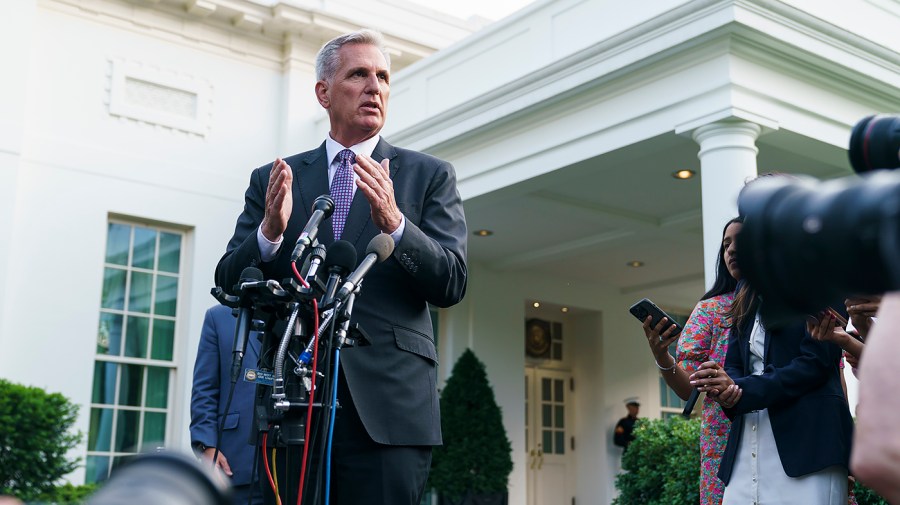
(635, 264)
(564, 309)
(683, 174)
(536, 304)
(483, 233)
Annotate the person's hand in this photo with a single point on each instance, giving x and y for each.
(729, 397)
(221, 466)
(861, 311)
(279, 201)
(851, 360)
(711, 379)
(826, 328)
(659, 338)
(376, 184)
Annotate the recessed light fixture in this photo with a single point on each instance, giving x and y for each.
(683, 174)
(536, 304)
(635, 264)
(564, 309)
(483, 233)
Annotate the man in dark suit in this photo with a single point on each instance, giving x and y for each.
(212, 383)
(389, 417)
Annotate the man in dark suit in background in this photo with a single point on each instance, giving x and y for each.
(212, 382)
(389, 417)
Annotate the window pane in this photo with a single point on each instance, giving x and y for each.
(163, 339)
(131, 385)
(96, 469)
(558, 390)
(560, 417)
(560, 447)
(100, 431)
(126, 431)
(545, 390)
(109, 334)
(546, 415)
(117, 237)
(136, 336)
(157, 387)
(166, 293)
(154, 430)
(663, 396)
(139, 296)
(169, 252)
(104, 383)
(547, 441)
(144, 247)
(113, 296)
(556, 351)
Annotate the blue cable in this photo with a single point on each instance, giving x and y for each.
(337, 362)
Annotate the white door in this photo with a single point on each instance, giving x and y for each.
(549, 436)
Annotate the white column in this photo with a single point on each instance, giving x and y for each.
(727, 161)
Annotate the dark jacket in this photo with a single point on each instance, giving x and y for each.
(801, 387)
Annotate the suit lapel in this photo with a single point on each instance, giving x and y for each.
(360, 211)
(312, 178)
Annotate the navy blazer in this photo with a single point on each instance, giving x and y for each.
(393, 382)
(801, 387)
(212, 382)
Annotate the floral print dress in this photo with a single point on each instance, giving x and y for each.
(705, 338)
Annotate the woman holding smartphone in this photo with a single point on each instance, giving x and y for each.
(704, 338)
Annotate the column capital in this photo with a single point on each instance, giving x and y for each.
(727, 135)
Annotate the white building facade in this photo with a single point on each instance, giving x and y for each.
(130, 128)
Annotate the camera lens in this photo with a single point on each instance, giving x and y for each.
(806, 244)
(875, 143)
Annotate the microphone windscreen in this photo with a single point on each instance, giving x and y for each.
(325, 204)
(341, 255)
(251, 274)
(382, 245)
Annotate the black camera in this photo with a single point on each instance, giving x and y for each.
(805, 243)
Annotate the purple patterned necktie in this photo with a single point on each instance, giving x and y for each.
(342, 191)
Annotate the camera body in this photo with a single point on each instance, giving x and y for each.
(805, 243)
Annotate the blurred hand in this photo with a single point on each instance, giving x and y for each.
(861, 310)
(279, 201)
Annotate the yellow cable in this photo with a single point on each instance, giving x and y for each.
(275, 477)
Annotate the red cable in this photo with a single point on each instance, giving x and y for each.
(312, 392)
(266, 463)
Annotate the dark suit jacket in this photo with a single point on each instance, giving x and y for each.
(801, 387)
(393, 382)
(212, 383)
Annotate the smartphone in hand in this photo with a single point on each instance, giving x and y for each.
(645, 307)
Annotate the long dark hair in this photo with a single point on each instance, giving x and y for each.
(724, 282)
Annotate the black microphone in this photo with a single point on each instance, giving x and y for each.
(691, 401)
(380, 247)
(245, 316)
(339, 260)
(322, 209)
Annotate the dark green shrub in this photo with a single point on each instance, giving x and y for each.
(662, 464)
(476, 455)
(34, 440)
(865, 496)
(68, 494)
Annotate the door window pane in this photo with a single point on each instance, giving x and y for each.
(166, 294)
(163, 339)
(169, 252)
(118, 237)
(140, 291)
(127, 427)
(157, 387)
(113, 296)
(96, 469)
(154, 430)
(136, 336)
(100, 430)
(131, 385)
(104, 382)
(144, 248)
(109, 334)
